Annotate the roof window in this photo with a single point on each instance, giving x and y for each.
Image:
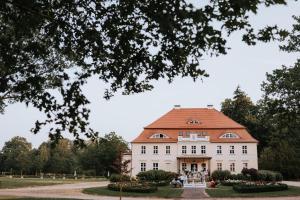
(159, 136)
(229, 135)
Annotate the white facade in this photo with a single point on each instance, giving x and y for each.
(227, 156)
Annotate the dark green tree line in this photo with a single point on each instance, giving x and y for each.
(98, 158)
(276, 115)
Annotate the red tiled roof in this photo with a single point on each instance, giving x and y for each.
(208, 118)
(211, 121)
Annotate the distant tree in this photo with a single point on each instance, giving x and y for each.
(242, 110)
(49, 49)
(103, 154)
(16, 153)
(62, 159)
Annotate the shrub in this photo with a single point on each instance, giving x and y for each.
(253, 173)
(118, 178)
(269, 176)
(156, 176)
(230, 182)
(248, 188)
(132, 187)
(220, 174)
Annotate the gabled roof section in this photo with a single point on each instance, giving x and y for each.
(206, 118)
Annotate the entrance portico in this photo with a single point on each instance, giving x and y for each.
(193, 164)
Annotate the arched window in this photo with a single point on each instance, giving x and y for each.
(229, 135)
(159, 135)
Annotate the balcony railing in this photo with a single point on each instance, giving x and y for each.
(201, 138)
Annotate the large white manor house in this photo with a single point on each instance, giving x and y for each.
(193, 139)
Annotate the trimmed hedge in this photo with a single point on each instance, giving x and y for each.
(132, 187)
(119, 178)
(156, 176)
(230, 182)
(244, 188)
(220, 175)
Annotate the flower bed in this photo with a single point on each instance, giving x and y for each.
(132, 187)
(254, 188)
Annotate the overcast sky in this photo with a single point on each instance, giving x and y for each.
(127, 115)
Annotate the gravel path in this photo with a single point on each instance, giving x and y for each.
(73, 191)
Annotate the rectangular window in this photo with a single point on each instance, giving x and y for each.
(193, 149)
(232, 167)
(245, 165)
(155, 149)
(203, 149)
(143, 167)
(244, 150)
(219, 166)
(183, 149)
(168, 149)
(231, 150)
(183, 166)
(155, 166)
(219, 150)
(143, 150)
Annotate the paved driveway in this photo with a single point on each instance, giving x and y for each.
(73, 191)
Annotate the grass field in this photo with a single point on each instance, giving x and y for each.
(28, 182)
(29, 198)
(163, 192)
(227, 191)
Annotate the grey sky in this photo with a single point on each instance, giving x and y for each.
(127, 115)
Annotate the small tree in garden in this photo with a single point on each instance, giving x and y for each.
(123, 171)
(253, 173)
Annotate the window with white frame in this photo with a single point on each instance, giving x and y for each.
(229, 135)
(183, 149)
(245, 165)
(219, 166)
(219, 149)
(155, 149)
(183, 166)
(231, 150)
(168, 149)
(159, 136)
(244, 149)
(143, 149)
(155, 166)
(143, 167)
(203, 149)
(193, 149)
(232, 167)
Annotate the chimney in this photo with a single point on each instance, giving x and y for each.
(210, 106)
(176, 106)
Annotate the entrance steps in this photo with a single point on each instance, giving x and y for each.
(194, 185)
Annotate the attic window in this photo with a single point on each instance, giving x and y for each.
(229, 135)
(193, 121)
(159, 135)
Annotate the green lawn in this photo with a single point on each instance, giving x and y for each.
(227, 191)
(164, 192)
(28, 182)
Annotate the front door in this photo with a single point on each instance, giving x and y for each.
(194, 167)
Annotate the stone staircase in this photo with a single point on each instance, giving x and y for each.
(194, 185)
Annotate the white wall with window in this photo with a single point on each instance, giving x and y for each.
(203, 149)
(143, 149)
(168, 149)
(155, 166)
(219, 149)
(244, 149)
(231, 150)
(219, 166)
(232, 167)
(155, 149)
(143, 167)
(193, 149)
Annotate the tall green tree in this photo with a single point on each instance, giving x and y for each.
(103, 155)
(281, 105)
(241, 109)
(16, 154)
(53, 47)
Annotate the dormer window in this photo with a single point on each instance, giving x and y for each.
(229, 135)
(193, 121)
(159, 136)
